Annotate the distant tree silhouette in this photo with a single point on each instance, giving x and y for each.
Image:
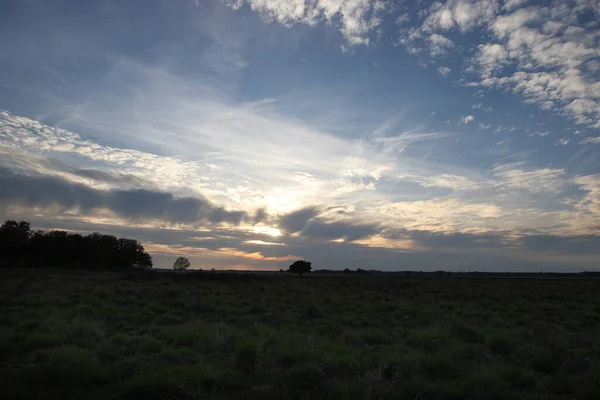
(347, 271)
(300, 267)
(14, 239)
(181, 264)
(281, 271)
(19, 246)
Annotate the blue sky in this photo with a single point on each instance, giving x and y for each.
(455, 135)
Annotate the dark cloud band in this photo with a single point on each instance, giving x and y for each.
(45, 191)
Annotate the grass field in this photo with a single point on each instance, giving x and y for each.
(84, 335)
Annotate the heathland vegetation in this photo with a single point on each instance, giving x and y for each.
(130, 333)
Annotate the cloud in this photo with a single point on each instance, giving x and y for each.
(439, 45)
(450, 181)
(590, 203)
(203, 147)
(462, 14)
(562, 142)
(563, 84)
(513, 176)
(491, 58)
(109, 177)
(297, 220)
(546, 54)
(467, 119)
(33, 139)
(506, 24)
(260, 216)
(512, 4)
(50, 192)
(480, 106)
(593, 140)
(323, 230)
(441, 214)
(428, 240)
(357, 19)
(577, 244)
(443, 71)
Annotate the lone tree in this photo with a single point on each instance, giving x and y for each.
(181, 264)
(299, 267)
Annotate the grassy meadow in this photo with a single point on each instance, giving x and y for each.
(103, 335)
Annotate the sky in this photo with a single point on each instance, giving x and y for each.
(245, 134)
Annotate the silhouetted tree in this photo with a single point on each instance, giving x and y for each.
(14, 238)
(281, 271)
(19, 245)
(347, 271)
(300, 267)
(132, 254)
(181, 264)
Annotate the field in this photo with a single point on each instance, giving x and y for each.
(90, 335)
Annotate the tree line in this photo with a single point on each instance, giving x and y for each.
(22, 247)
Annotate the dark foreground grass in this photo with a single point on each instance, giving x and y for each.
(160, 336)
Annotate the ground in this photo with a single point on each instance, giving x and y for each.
(99, 335)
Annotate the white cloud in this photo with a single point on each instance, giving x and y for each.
(402, 19)
(562, 142)
(585, 218)
(444, 71)
(467, 119)
(512, 4)
(513, 176)
(480, 106)
(491, 57)
(563, 85)
(545, 54)
(484, 127)
(584, 110)
(505, 24)
(357, 18)
(439, 45)
(440, 214)
(455, 182)
(463, 14)
(591, 201)
(594, 140)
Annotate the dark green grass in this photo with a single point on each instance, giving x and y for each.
(159, 336)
